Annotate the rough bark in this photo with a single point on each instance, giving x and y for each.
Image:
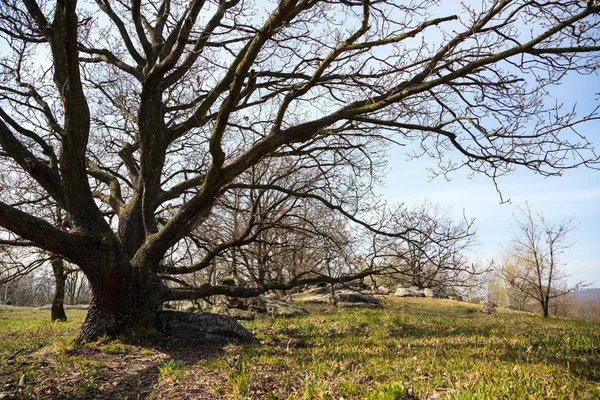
(125, 302)
(125, 297)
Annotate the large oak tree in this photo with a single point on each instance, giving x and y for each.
(136, 117)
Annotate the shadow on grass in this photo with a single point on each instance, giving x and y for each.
(146, 382)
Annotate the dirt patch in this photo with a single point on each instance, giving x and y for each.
(91, 372)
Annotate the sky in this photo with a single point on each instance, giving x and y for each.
(575, 194)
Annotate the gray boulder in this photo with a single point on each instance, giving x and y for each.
(203, 328)
(354, 299)
(382, 290)
(278, 308)
(412, 291)
(315, 298)
(434, 294)
(318, 291)
(258, 304)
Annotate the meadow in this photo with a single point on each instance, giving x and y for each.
(411, 349)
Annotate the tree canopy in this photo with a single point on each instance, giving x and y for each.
(143, 120)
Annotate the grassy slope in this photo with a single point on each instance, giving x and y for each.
(414, 348)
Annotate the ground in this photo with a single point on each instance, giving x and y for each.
(412, 349)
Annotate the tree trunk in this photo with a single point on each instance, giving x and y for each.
(57, 311)
(125, 302)
(545, 307)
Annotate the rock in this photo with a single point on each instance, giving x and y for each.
(382, 290)
(278, 308)
(354, 299)
(190, 309)
(203, 328)
(428, 292)
(240, 315)
(318, 291)
(456, 297)
(258, 304)
(358, 285)
(488, 308)
(314, 299)
(412, 291)
(276, 295)
(235, 302)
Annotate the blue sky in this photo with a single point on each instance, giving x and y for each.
(576, 193)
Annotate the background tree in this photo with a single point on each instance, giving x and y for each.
(146, 114)
(434, 252)
(537, 272)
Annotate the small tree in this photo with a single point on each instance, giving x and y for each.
(537, 271)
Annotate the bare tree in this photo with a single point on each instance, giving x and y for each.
(537, 272)
(152, 109)
(505, 292)
(433, 253)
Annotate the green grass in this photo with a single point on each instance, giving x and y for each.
(114, 348)
(425, 347)
(412, 349)
(28, 330)
(172, 370)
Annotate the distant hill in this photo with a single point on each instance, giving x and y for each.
(587, 295)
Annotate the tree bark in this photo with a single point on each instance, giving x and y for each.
(545, 308)
(57, 311)
(125, 299)
(123, 305)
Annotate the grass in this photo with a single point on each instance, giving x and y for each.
(27, 330)
(412, 349)
(172, 370)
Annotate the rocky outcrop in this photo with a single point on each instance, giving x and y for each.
(203, 328)
(342, 298)
(412, 291)
(382, 290)
(278, 308)
(433, 294)
(348, 298)
(261, 306)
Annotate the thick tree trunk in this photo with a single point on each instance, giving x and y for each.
(57, 311)
(125, 302)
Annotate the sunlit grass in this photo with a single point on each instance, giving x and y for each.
(27, 329)
(411, 349)
(425, 347)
